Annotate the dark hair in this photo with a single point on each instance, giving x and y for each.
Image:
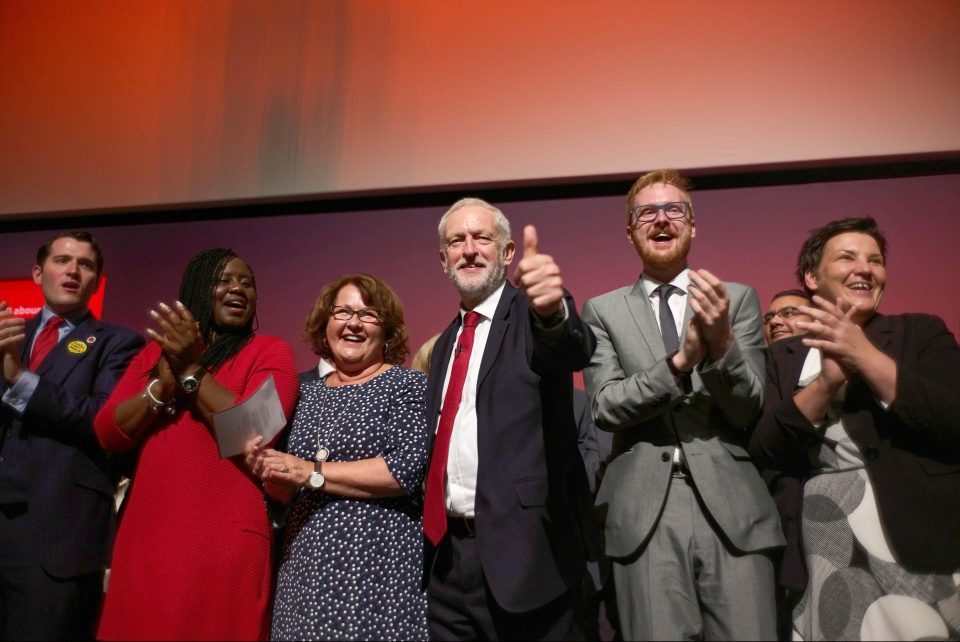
(76, 235)
(197, 289)
(812, 251)
(376, 294)
(793, 292)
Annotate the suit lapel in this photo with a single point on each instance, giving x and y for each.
(499, 325)
(639, 307)
(29, 330)
(71, 350)
(789, 370)
(881, 333)
(438, 370)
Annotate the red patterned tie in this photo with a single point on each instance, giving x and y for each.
(434, 512)
(45, 341)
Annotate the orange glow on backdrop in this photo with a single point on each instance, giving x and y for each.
(122, 103)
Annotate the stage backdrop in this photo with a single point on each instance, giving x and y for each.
(125, 103)
(749, 235)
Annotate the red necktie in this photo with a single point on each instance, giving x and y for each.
(434, 512)
(45, 341)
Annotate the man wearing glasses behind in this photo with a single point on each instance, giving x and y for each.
(781, 318)
(678, 376)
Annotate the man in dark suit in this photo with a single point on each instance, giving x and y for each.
(782, 315)
(507, 506)
(598, 612)
(56, 491)
(678, 377)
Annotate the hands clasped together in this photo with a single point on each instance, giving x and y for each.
(178, 335)
(845, 348)
(709, 331)
(275, 467)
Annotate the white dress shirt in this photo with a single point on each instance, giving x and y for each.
(463, 458)
(19, 394)
(678, 306)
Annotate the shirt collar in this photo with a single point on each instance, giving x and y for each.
(650, 284)
(72, 318)
(488, 307)
(324, 368)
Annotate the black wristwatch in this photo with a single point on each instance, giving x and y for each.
(191, 383)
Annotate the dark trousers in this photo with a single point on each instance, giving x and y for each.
(33, 604)
(461, 606)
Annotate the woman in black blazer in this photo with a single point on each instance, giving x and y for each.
(866, 409)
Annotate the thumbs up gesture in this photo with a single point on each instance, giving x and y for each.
(539, 277)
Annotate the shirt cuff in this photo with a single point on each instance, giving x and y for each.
(554, 322)
(19, 394)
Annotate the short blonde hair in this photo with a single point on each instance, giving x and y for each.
(421, 359)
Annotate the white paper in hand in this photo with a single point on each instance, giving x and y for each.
(261, 414)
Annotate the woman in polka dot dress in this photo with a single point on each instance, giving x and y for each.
(356, 455)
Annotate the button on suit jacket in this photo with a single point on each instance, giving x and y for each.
(532, 502)
(50, 456)
(634, 394)
(911, 450)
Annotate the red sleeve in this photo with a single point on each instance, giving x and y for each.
(273, 356)
(132, 383)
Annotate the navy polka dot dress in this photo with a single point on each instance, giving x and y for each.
(351, 569)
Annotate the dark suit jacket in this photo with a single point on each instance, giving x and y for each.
(532, 502)
(50, 457)
(911, 450)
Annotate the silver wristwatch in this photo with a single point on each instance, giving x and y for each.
(316, 479)
(191, 383)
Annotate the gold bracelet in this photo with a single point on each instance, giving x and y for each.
(170, 407)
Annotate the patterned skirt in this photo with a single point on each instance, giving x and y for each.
(857, 591)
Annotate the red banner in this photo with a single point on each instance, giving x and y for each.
(25, 298)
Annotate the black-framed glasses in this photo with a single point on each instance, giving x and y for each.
(647, 212)
(366, 315)
(783, 313)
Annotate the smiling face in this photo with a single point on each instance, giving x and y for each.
(68, 276)
(852, 268)
(663, 245)
(780, 320)
(471, 254)
(235, 296)
(354, 344)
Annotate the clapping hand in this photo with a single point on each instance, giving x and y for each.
(841, 341)
(711, 312)
(12, 334)
(178, 335)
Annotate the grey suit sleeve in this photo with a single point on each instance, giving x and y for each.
(618, 400)
(735, 381)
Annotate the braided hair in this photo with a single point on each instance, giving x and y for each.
(197, 288)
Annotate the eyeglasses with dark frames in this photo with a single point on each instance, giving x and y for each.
(366, 315)
(647, 212)
(783, 313)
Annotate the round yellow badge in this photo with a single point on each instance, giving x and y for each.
(77, 347)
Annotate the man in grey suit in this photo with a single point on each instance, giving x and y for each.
(688, 522)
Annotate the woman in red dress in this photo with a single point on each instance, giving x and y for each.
(193, 556)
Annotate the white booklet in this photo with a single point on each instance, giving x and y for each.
(261, 414)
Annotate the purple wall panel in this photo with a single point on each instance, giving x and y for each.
(749, 235)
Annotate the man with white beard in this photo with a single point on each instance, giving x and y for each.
(507, 512)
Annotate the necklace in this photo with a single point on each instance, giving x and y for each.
(323, 452)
